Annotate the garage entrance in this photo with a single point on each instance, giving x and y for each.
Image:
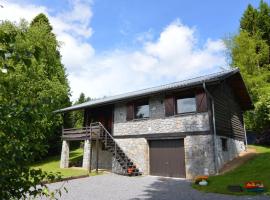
(167, 158)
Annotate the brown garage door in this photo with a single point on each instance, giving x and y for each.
(167, 158)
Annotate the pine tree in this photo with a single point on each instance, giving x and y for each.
(249, 19)
(41, 19)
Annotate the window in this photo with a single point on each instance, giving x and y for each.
(224, 144)
(185, 105)
(141, 110)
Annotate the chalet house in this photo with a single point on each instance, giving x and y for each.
(183, 129)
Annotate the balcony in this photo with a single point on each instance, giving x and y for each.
(83, 133)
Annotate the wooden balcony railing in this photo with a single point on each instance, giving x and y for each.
(82, 133)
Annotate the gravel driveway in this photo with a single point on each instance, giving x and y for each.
(116, 187)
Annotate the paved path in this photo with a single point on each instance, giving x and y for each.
(115, 187)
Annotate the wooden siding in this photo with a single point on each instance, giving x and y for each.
(228, 114)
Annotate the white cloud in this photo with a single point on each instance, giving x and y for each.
(16, 12)
(175, 55)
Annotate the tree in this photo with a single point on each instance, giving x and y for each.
(41, 19)
(249, 20)
(78, 115)
(249, 50)
(33, 84)
(48, 55)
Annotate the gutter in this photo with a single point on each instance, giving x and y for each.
(214, 128)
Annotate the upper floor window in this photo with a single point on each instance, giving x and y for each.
(186, 105)
(141, 110)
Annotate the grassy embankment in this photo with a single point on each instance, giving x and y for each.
(258, 168)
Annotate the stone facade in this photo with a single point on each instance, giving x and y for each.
(199, 155)
(116, 167)
(186, 123)
(235, 147)
(64, 154)
(157, 122)
(156, 107)
(137, 150)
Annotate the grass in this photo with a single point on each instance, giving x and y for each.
(258, 168)
(52, 164)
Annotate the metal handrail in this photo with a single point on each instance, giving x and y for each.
(70, 129)
(108, 133)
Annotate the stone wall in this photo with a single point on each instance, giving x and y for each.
(235, 147)
(137, 150)
(199, 155)
(156, 108)
(157, 122)
(184, 123)
(105, 158)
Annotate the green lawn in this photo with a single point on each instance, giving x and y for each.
(258, 168)
(52, 164)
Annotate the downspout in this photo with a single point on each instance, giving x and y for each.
(246, 146)
(214, 128)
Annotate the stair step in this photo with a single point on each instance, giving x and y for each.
(136, 173)
(128, 167)
(136, 170)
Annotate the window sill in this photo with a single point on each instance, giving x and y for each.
(140, 119)
(183, 114)
(186, 113)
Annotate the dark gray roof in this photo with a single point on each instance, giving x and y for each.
(153, 90)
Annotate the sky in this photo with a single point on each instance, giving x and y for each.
(111, 47)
